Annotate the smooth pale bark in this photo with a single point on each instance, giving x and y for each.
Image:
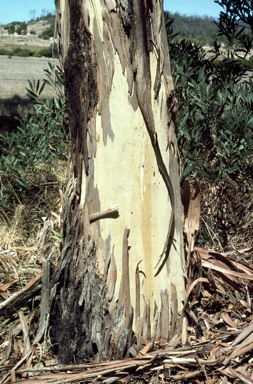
(118, 273)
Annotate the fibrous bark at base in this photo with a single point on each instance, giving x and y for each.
(82, 324)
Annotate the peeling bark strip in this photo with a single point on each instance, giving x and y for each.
(143, 91)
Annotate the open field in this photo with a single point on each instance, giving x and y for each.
(15, 72)
(34, 43)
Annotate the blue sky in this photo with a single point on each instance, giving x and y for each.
(193, 7)
(20, 10)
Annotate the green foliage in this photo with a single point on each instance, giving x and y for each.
(50, 51)
(215, 112)
(47, 16)
(47, 33)
(4, 51)
(22, 28)
(29, 155)
(53, 79)
(216, 128)
(11, 29)
(21, 52)
(236, 24)
(16, 26)
(195, 28)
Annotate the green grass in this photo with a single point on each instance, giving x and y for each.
(24, 52)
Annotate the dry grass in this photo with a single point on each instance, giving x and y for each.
(218, 347)
(217, 344)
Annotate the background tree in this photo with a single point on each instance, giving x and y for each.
(121, 268)
(44, 12)
(32, 14)
(11, 29)
(236, 23)
(22, 28)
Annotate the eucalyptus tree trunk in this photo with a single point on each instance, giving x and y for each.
(120, 278)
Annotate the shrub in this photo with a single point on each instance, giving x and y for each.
(215, 114)
(29, 156)
(4, 51)
(22, 52)
(47, 33)
(215, 136)
(50, 51)
(22, 28)
(11, 29)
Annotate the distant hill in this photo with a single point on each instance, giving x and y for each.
(195, 28)
(36, 26)
(38, 33)
(32, 38)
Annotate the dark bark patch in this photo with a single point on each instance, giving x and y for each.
(78, 296)
(80, 85)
